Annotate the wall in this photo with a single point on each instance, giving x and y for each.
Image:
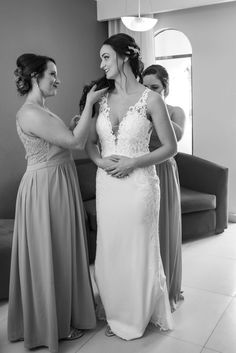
(211, 31)
(110, 9)
(65, 30)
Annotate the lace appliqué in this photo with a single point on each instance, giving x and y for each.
(133, 132)
(35, 147)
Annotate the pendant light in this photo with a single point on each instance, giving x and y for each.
(139, 24)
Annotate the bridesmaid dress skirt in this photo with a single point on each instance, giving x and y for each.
(170, 230)
(50, 288)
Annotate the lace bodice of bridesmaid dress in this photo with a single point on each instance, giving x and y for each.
(36, 148)
(131, 136)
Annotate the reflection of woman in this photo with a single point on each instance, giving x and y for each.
(156, 78)
(50, 291)
(128, 267)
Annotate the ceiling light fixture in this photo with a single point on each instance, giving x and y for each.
(139, 24)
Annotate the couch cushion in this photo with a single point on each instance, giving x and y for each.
(195, 201)
(90, 207)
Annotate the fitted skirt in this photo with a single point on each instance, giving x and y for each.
(128, 268)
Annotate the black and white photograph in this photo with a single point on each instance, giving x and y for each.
(118, 170)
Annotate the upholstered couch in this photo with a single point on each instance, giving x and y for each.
(204, 188)
(204, 196)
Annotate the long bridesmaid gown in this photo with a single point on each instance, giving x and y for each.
(170, 226)
(50, 288)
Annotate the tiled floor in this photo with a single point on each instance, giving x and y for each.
(205, 322)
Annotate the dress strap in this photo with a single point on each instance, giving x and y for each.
(141, 105)
(103, 102)
(145, 95)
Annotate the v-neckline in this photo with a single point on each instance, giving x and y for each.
(131, 107)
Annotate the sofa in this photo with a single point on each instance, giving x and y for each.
(204, 194)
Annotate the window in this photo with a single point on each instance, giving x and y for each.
(173, 51)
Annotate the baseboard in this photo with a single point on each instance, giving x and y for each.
(232, 217)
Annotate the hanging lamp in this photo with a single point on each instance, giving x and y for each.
(139, 24)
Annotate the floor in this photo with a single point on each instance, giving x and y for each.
(204, 323)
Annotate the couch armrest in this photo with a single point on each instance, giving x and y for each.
(202, 175)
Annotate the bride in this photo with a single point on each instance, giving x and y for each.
(128, 268)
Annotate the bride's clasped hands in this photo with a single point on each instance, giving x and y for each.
(118, 166)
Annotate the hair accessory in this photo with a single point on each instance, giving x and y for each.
(135, 51)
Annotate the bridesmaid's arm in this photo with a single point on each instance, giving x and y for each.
(178, 118)
(39, 122)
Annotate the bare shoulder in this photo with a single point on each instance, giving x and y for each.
(31, 114)
(154, 100)
(31, 111)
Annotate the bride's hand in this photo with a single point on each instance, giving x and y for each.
(107, 162)
(123, 166)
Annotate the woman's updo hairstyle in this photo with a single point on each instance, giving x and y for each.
(29, 66)
(162, 75)
(125, 45)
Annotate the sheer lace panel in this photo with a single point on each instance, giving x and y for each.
(35, 147)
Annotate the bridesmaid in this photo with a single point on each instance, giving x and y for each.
(156, 78)
(50, 290)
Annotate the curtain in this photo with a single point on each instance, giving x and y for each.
(145, 40)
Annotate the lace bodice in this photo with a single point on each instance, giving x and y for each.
(35, 147)
(39, 150)
(132, 134)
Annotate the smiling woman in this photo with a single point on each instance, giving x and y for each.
(128, 267)
(50, 292)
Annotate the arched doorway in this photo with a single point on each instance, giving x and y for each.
(173, 51)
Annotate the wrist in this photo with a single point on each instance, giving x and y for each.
(99, 163)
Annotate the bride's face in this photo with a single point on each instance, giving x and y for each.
(110, 62)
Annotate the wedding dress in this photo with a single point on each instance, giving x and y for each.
(128, 268)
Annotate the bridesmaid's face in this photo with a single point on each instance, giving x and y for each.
(110, 62)
(49, 82)
(152, 82)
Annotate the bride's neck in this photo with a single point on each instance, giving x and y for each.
(127, 85)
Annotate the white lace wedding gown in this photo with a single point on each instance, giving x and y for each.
(128, 268)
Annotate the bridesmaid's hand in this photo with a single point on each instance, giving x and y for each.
(74, 122)
(123, 166)
(94, 96)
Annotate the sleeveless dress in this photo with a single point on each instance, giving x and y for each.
(50, 288)
(128, 268)
(170, 226)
